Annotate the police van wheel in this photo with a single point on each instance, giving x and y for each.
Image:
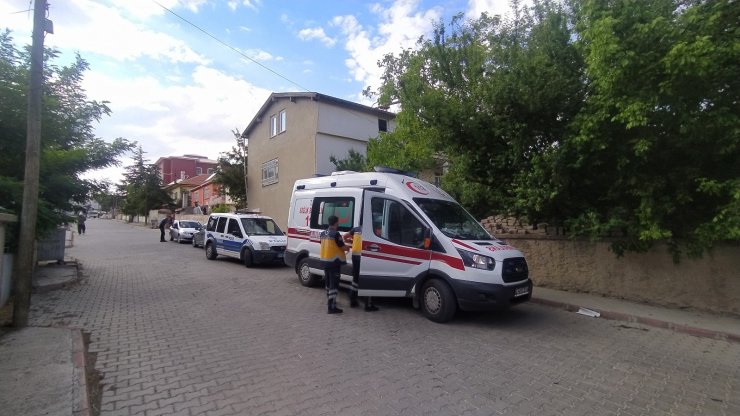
(247, 258)
(304, 274)
(211, 251)
(438, 301)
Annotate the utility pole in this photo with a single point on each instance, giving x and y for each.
(29, 213)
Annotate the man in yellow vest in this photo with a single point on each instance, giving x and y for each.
(354, 237)
(333, 256)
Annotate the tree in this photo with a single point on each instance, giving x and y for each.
(142, 187)
(617, 118)
(68, 144)
(487, 94)
(232, 172)
(655, 154)
(354, 161)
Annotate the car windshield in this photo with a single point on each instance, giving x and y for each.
(189, 224)
(452, 219)
(260, 226)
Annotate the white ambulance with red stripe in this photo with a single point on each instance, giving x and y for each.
(417, 242)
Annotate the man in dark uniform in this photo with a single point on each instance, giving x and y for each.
(166, 221)
(333, 256)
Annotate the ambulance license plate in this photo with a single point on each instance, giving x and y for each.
(521, 291)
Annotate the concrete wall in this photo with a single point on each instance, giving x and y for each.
(711, 283)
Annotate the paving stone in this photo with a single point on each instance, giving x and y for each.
(178, 334)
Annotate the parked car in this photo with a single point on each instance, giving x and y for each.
(199, 238)
(253, 239)
(183, 230)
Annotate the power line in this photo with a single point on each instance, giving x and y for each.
(230, 47)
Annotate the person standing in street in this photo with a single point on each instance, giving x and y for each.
(81, 218)
(166, 221)
(354, 237)
(333, 257)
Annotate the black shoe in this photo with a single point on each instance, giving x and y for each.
(162, 241)
(334, 310)
(371, 308)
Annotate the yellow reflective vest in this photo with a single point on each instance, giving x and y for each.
(331, 246)
(356, 241)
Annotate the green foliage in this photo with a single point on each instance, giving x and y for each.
(355, 161)
(231, 174)
(617, 119)
(142, 187)
(68, 145)
(220, 208)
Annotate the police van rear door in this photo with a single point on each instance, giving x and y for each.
(393, 252)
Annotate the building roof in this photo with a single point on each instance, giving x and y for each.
(315, 96)
(199, 158)
(208, 180)
(190, 182)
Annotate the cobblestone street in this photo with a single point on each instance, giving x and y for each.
(177, 334)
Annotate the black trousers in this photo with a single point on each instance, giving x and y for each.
(161, 233)
(331, 279)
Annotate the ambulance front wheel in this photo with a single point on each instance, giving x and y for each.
(305, 276)
(438, 301)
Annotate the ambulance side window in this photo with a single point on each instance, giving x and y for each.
(394, 222)
(342, 207)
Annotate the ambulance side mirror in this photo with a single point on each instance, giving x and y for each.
(427, 238)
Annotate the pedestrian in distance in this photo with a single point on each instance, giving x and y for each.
(81, 218)
(165, 223)
(333, 256)
(197, 210)
(354, 237)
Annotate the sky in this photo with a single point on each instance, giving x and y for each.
(181, 75)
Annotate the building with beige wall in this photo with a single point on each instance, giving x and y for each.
(293, 136)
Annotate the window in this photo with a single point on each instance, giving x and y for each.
(278, 123)
(206, 193)
(342, 207)
(283, 121)
(395, 223)
(195, 197)
(270, 172)
(212, 221)
(382, 125)
(221, 226)
(233, 228)
(182, 174)
(198, 171)
(273, 125)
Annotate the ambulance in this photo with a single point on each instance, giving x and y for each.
(417, 242)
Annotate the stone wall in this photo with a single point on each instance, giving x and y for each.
(711, 283)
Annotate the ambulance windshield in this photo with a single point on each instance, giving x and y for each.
(452, 219)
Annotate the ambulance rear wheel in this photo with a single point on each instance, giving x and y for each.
(305, 276)
(438, 301)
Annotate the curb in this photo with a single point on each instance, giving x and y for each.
(81, 403)
(658, 323)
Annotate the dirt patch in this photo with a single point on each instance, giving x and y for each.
(93, 378)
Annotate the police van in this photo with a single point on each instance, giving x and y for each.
(417, 242)
(251, 238)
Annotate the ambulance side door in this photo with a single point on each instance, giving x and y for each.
(393, 253)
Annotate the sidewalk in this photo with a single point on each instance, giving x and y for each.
(700, 324)
(42, 370)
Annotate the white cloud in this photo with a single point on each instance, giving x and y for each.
(492, 7)
(318, 34)
(366, 47)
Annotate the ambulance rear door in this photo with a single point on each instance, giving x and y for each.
(393, 253)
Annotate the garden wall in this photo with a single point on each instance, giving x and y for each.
(711, 283)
